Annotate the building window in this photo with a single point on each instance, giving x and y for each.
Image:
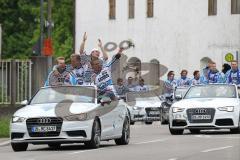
(235, 7)
(112, 9)
(131, 4)
(149, 8)
(212, 7)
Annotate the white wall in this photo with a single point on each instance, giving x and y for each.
(179, 34)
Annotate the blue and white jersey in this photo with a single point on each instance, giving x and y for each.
(169, 86)
(233, 77)
(58, 79)
(103, 80)
(196, 81)
(215, 77)
(184, 82)
(77, 76)
(140, 88)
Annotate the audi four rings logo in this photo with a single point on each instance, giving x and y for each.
(44, 120)
(200, 111)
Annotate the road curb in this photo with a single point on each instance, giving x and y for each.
(5, 143)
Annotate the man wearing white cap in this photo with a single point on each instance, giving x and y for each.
(94, 53)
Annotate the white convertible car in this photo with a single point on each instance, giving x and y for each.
(69, 114)
(143, 106)
(213, 106)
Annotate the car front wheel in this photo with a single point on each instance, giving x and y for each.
(17, 147)
(124, 140)
(176, 131)
(96, 136)
(236, 130)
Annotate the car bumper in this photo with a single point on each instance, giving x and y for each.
(142, 116)
(66, 134)
(221, 120)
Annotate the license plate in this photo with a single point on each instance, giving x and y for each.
(154, 112)
(197, 117)
(44, 129)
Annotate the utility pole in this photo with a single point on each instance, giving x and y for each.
(49, 31)
(0, 41)
(41, 26)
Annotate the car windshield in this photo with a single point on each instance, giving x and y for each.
(180, 91)
(141, 96)
(211, 91)
(77, 94)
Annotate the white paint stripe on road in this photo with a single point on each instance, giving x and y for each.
(153, 141)
(216, 149)
(5, 143)
(86, 151)
(172, 159)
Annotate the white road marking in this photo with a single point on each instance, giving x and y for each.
(153, 141)
(172, 159)
(216, 149)
(86, 151)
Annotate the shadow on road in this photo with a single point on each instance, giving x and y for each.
(79, 147)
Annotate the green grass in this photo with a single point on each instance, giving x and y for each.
(4, 126)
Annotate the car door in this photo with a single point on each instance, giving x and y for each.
(108, 115)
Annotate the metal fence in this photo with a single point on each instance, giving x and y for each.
(16, 78)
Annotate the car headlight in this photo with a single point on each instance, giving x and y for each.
(177, 109)
(137, 108)
(226, 108)
(77, 117)
(16, 119)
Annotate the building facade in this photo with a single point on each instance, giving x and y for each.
(179, 34)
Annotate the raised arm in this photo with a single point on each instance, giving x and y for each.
(105, 56)
(81, 51)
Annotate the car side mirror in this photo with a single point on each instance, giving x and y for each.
(178, 96)
(25, 102)
(105, 100)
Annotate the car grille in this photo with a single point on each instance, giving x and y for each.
(153, 111)
(204, 115)
(35, 122)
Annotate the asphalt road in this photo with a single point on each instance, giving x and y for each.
(148, 142)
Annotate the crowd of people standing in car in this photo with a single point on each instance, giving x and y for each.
(91, 69)
(230, 74)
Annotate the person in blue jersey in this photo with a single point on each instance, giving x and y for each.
(233, 75)
(102, 76)
(184, 80)
(77, 70)
(196, 78)
(225, 68)
(141, 87)
(170, 84)
(214, 76)
(60, 76)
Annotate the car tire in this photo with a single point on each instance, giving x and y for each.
(236, 130)
(148, 123)
(195, 131)
(18, 147)
(54, 146)
(124, 140)
(132, 123)
(176, 131)
(96, 136)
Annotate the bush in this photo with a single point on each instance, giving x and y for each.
(4, 126)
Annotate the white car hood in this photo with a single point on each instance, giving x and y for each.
(48, 110)
(145, 104)
(206, 102)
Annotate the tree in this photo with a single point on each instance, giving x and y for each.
(20, 21)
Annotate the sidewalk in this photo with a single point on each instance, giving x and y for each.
(4, 141)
